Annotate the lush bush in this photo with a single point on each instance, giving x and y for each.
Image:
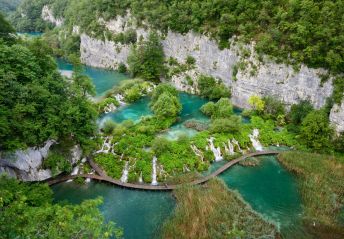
(221, 109)
(226, 125)
(122, 68)
(31, 213)
(111, 164)
(57, 163)
(6, 30)
(316, 132)
(36, 102)
(256, 103)
(107, 101)
(146, 59)
(165, 101)
(273, 108)
(211, 88)
(299, 111)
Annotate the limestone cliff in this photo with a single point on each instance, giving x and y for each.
(244, 74)
(27, 164)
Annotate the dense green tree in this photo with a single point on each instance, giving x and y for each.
(6, 30)
(299, 111)
(316, 132)
(226, 125)
(27, 212)
(273, 108)
(167, 106)
(8, 6)
(146, 59)
(211, 88)
(36, 103)
(221, 109)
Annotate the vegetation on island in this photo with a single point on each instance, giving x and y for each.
(321, 184)
(214, 211)
(27, 211)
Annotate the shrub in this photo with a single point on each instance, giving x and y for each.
(316, 132)
(211, 88)
(226, 125)
(299, 111)
(122, 68)
(146, 60)
(190, 60)
(222, 109)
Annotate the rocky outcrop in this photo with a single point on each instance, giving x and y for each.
(245, 75)
(26, 165)
(47, 15)
(337, 117)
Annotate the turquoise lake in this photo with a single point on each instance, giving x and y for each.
(268, 188)
(103, 80)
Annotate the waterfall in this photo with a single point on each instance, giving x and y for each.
(154, 180)
(120, 99)
(106, 147)
(109, 108)
(230, 149)
(74, 172)
(216, 151)
(125, 173)
(140, 178)
(197, 152)
(255, 141)
(236, 143)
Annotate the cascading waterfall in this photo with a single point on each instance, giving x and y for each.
(106, 147)
(140, 178)
(216, 151)
(255, 141)
(109, 108)
(230, 148)
(120, 99)
(154, 174)
(197, 152)
(125, 173)
(236, 143)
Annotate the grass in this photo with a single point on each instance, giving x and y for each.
(321, 184)
(214, 211)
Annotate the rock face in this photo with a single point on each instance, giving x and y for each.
(245, 76)
(47, 15)
(26, 165)
(337, 117)
(267, 79)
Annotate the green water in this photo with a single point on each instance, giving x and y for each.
(139, 213)
(272, 191)
(268, 188)
(103, 80)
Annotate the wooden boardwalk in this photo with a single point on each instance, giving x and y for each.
(104, 178)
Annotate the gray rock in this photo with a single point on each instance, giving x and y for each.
(337, 117)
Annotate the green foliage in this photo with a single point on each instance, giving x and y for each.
(109, 127)
(146, 59)
(226, 125)
(29, 209)
(190, 60)
(165, 101)
(211, 88)
(122, 68)
(299, 111)
(338, 89)
(221, 109)
(8, 6)
(102, 104)
(38, 104)
(128, 37)
(316, 132)
(273, 108)
(111, 164)
(290, 31)
(6, 30)
(256, 103)
(28, 17)
(57, 163)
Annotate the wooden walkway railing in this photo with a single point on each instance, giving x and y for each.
(104, 178)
